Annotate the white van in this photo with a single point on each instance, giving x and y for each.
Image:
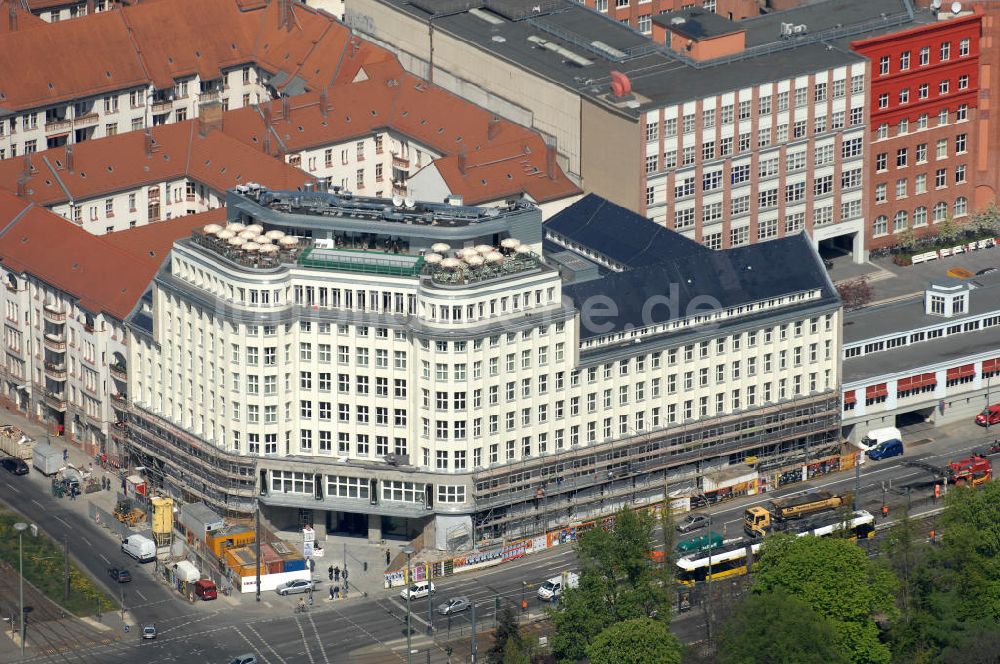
(418, 590)
(874, 438)
(141, 548)
(553, 588)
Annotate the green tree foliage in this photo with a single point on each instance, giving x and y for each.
(617, 583)
(637, 641)
(508, 645)
(838, 581)
(777, 627)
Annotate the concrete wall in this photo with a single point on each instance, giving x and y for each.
(476, 75)
(611, 156)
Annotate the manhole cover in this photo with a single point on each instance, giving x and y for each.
(959, 273)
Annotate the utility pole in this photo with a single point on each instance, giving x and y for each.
(474, 649)
(66, 566)
(857, 481)
(409, 551)
(430, 615)
(20, 528)
(708, 586)
(257, 541)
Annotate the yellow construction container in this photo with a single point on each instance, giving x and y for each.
(163, 516)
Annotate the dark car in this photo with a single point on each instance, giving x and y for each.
(986, 270)
(692, 522)
(15, 466)
(119, 575)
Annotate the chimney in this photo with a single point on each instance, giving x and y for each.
(28, 168)
(323, 103)
(461, 162)
(210, 117)
(12, 18)
(267, 116)
(148, 141)
(69, 158)
(493, 128)
(285, 112)
(550, 161)
(267, 141)
(22, 188)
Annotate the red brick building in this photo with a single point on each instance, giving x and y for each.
(639, 14)
(924, 95)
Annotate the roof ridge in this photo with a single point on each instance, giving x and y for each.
(59, 180)
(135, 45)
(17, 218)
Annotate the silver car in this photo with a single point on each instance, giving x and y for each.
(692, 522)
(454, 605)
(295, 586)
(149, 632)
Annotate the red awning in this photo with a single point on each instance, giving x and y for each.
(876, 391)
(991, 366)
(849, 397)
(916, 382)
(964, 371)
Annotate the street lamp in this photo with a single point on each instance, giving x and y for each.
(20, 527)
(409, 551)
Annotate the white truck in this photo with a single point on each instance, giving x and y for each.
(554, 587)
(16, 443)
(141, 548)
(46, 459)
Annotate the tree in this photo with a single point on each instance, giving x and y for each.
(508, 645)
(907, 239)
(855, 293)
(950, 230)
(637, 641)
(777, 627)
(617, 583)
(838, 581)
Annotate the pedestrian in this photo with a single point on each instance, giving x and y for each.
(329, 571)
(336, 592)
(65, 454)
(336, 573)
(331, 591)
(885, 511)
(347, 586)
(388, 557)
(310, 599)
(345, 573)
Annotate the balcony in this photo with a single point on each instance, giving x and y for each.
(118, 372)
(209, 96)
(55, 342)
(53, 314)
(55, 371)
(56, 401)
(60, 124)
(402, 163)
(399, 189)
(88, 120)
(160, 107)
(119, 401)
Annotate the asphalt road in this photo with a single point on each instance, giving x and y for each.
(373, 629)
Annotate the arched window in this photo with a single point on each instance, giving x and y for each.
(920, 217)
(901, 221)
(940, 211)
(961, 206)
(881, 226)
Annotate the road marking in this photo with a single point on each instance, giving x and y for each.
(11, 487)
(37, 503)
(106, 561)
(139, 593)
(305, 643)
(249, 642)
(87, 541)
(414, 614)
(62, 522)
(264, 641)
(319, 639)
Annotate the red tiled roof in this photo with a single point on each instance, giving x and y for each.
(500, 158)
(106, 273)
(157, 42)
(14, 17)
(117, 163)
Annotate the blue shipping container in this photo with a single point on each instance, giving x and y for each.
(295, 565)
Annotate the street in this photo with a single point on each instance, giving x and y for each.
(372, 629)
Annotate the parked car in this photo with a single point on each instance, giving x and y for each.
(149, 632)
(692, 522)
(119, 575)
(986, 270)
(989, 416)
(295, 586)
(418, 590)
(244, 659)
(454, 605)
(205, 589)
(13, 465)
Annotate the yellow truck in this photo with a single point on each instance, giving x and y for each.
(760, 519)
